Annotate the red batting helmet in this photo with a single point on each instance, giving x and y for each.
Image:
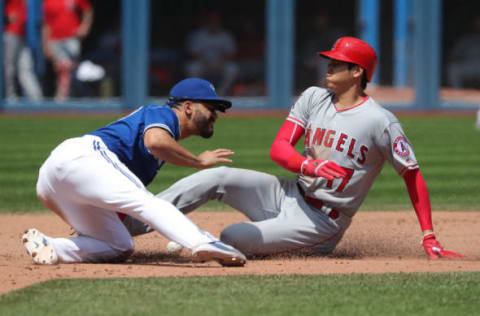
(354, 50)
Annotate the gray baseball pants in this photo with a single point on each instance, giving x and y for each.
(281, 219)
(19, 61)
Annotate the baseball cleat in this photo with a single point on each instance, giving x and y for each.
(224, 254)
(38, 247)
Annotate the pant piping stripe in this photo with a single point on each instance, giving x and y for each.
(96, 146)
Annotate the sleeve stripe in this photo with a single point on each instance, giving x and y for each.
(293, 134)
(409, 167)
(415, 166)
(296, 121)
(162, 126)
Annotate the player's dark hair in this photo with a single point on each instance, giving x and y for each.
(364, 76)
(175, 103)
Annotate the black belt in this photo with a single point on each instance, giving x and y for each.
(318, 204)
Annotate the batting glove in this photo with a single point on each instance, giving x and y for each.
(434, 250)
(322, 168)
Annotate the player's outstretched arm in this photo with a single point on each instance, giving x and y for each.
(284, 153)
(418, 192)
(162, 146)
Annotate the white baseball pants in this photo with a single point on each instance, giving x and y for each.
(86, 184)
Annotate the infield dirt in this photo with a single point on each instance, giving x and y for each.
(376, 242)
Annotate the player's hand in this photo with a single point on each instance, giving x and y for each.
(434, 250)
(211, 158)
(322, 168)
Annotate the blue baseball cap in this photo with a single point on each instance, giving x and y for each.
(197, 89)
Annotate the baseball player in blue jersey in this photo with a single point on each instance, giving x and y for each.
(93, 181)
(348, 138)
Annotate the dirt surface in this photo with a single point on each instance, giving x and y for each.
(376, 242)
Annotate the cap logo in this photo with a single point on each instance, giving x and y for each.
(212, 87)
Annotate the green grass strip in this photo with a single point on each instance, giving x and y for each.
(384, 294)
(447, 148)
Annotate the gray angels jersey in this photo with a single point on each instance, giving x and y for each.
(359, 139)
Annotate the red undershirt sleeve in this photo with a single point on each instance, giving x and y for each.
(418, 192)
(283, 151)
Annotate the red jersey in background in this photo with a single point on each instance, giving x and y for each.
(16, 15)
(63, 17)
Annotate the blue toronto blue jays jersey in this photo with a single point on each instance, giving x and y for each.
(125, 138)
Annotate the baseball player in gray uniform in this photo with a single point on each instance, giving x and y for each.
(348, 137)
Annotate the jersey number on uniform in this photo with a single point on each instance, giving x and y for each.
(345, 180)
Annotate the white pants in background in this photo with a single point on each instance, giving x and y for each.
(477, 123)
(86, 184)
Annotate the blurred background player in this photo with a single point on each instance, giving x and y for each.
(464, 63)
(66, 23)
(18, 57)
(320, 35)
(212, 49)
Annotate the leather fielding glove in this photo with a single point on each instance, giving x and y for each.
(322, 168)
(434, 250)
